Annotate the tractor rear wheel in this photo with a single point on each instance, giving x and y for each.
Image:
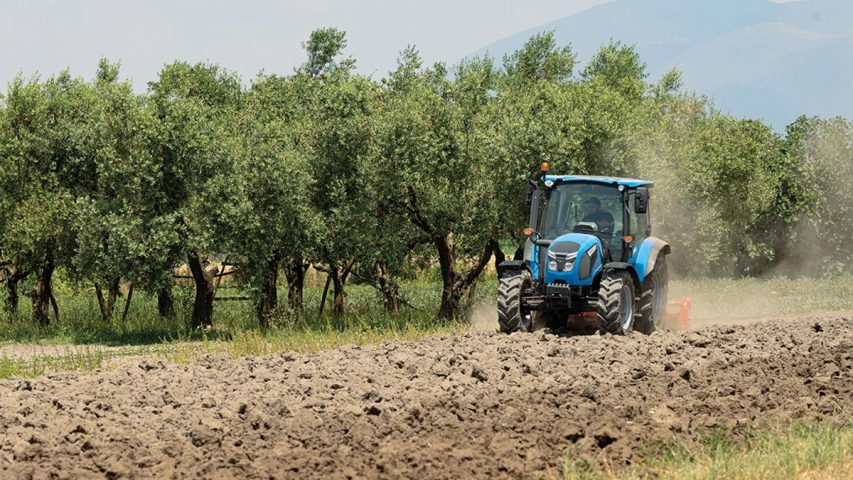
(616, 307)
(512, 316)
(653, 298)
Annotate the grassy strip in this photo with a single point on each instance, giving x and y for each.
(797, 452)
(81, 322)
(301, 338)
(78, 359)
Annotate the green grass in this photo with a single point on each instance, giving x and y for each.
(77, 359)
(81, 323)
(795, 452)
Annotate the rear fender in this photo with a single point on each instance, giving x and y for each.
(644, 256)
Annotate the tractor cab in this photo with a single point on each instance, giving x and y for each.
(599, 206)
(589, 249)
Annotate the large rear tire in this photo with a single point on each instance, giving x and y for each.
(512, 316)
(653, 298)
(616, 307)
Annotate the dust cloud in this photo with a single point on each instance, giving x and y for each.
(483, 317)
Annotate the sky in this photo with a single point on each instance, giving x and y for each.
(46, 36)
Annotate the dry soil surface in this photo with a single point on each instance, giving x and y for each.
(472, 405)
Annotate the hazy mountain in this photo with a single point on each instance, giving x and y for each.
(754, 57)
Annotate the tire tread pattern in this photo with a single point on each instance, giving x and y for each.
(609, 304)
(646, 323)
(509, 302)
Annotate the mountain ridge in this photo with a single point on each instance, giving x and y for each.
(755, 58)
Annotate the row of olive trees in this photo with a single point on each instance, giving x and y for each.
(358, 178)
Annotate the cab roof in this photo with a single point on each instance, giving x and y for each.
(628, 182)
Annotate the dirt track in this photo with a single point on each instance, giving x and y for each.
(473, 405)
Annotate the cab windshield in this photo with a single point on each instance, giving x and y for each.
(582, 207)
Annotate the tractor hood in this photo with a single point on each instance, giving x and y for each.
(572, 258)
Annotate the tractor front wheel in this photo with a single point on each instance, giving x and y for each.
(512, 316)
(616, 306)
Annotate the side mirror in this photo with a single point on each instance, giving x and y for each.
(641, 200)
(529, 189)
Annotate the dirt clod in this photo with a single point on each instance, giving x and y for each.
(472, 405)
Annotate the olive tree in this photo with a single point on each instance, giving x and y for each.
(120, 236)
(268, 216)
(819, 168)
(338, 104)
(196, 143)
(47, 135)
(434, 139)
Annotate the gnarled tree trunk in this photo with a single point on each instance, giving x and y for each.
(165, 302)
(13, 276)
(12, 298)
(336, 276)
(295, 270)
(500, 257)
(107, 304)
(456, 284)
(205, 290)
(339, 281)
(389, 288)
(269, 300)
(42, 292)
(338, 289)
(127, 303)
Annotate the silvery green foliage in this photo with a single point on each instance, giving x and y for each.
(46, 139)
(122, 232)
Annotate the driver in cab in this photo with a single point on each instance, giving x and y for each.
(594, 213)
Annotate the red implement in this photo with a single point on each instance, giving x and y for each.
(680, 318)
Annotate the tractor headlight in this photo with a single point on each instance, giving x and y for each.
(567, 267)
(552, 265)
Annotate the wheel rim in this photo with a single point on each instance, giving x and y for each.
(626, 315)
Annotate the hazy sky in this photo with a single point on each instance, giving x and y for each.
(42, 36)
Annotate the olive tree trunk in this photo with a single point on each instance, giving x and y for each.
(389, 288)
(205, 290)
(12, 298)
(295, 271)
(268, 304)
(500, 257)
(456, 284)
(165, 302)
(107, 304)
(14, 276)
(42, 293)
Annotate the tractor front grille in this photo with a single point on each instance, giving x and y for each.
(562, 290)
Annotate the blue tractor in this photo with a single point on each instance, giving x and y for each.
(590, 253)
